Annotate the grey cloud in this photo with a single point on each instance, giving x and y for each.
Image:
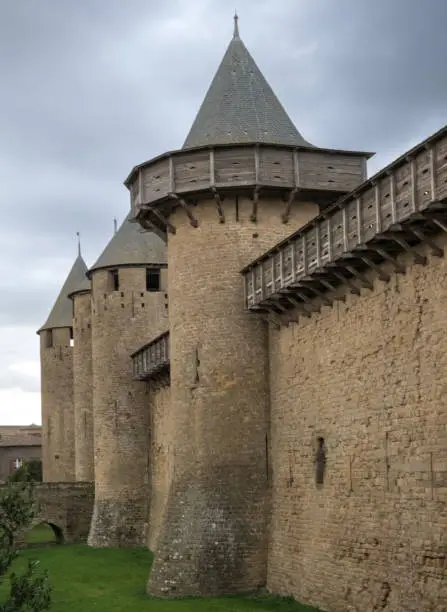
(91, 88)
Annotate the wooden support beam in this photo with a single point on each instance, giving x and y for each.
(193, 221)
(300, 306)
(171, 228)
(254, 213)
(340, 297)
(308, 304)
(381, 273)
(347, 281)
(286, 214)
(317, 292)
(417, 257)
(218, 201)
(399, 268)
(365, 282)
(437, 250)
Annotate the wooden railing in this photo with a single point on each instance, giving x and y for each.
(163, 182)
(395, 209)
(152, 358)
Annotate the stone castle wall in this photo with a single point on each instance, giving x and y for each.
(369, 376)
(212, 536)
(161, 455)
(58, 445)
(121, 322)
(83, 387)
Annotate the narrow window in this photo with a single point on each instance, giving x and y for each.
(152, 279)
(49, 338)
(114, 280)
(320, 461)
(71, 337)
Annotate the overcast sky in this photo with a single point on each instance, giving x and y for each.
(89, 88)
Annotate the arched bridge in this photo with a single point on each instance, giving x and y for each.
(67, 507)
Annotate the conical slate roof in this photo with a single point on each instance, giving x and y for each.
(61, 314)
(132, 246)
(240, 106)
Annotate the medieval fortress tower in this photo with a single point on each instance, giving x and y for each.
(254, 371)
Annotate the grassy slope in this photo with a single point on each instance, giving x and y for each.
(113, 580)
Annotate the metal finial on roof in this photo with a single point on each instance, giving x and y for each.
(115, 226)
(79, 242)
(236, 25)
(240, 106)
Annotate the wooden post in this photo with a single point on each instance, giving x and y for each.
(316, 229)
(171, 175)
(377, 205)
(345, 229)
(393, 197)
(413, 186)
(432, 174)
(359, 220)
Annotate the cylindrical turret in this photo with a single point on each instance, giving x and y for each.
(244, 180)
(213, 535)
(128, 302)
(56, 358)
(83, 383)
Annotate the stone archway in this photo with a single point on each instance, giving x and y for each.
(43, 533)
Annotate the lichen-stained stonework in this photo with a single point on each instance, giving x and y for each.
(212, 537)
(121, 321)
(58, 440)
(369, 376)
(83, 387)
(161, 453)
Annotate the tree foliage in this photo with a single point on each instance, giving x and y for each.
(30, 471)
(29, 591)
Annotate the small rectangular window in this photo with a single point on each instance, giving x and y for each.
(114, 280)
(71, 337)
(49, 338)
(152, 279)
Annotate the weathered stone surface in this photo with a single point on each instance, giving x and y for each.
(212, 536)
(121, 321)
(83, 387)
(66, 507)
(58, 439)
(370, 377)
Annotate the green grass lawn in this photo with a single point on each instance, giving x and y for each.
(114, 580)
(40, 534)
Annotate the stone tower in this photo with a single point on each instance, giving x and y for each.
(56, 359)
(226, 197)
(128, 301)
(82, 379)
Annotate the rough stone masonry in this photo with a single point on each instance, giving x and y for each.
(292, 433)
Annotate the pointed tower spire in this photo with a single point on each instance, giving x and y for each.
(115, 226)
(61, 314)
(236, 25)
(240, 106)
(130, 247)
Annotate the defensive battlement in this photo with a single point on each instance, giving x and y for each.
(162, 184)
(401, 206)
(152, 359)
